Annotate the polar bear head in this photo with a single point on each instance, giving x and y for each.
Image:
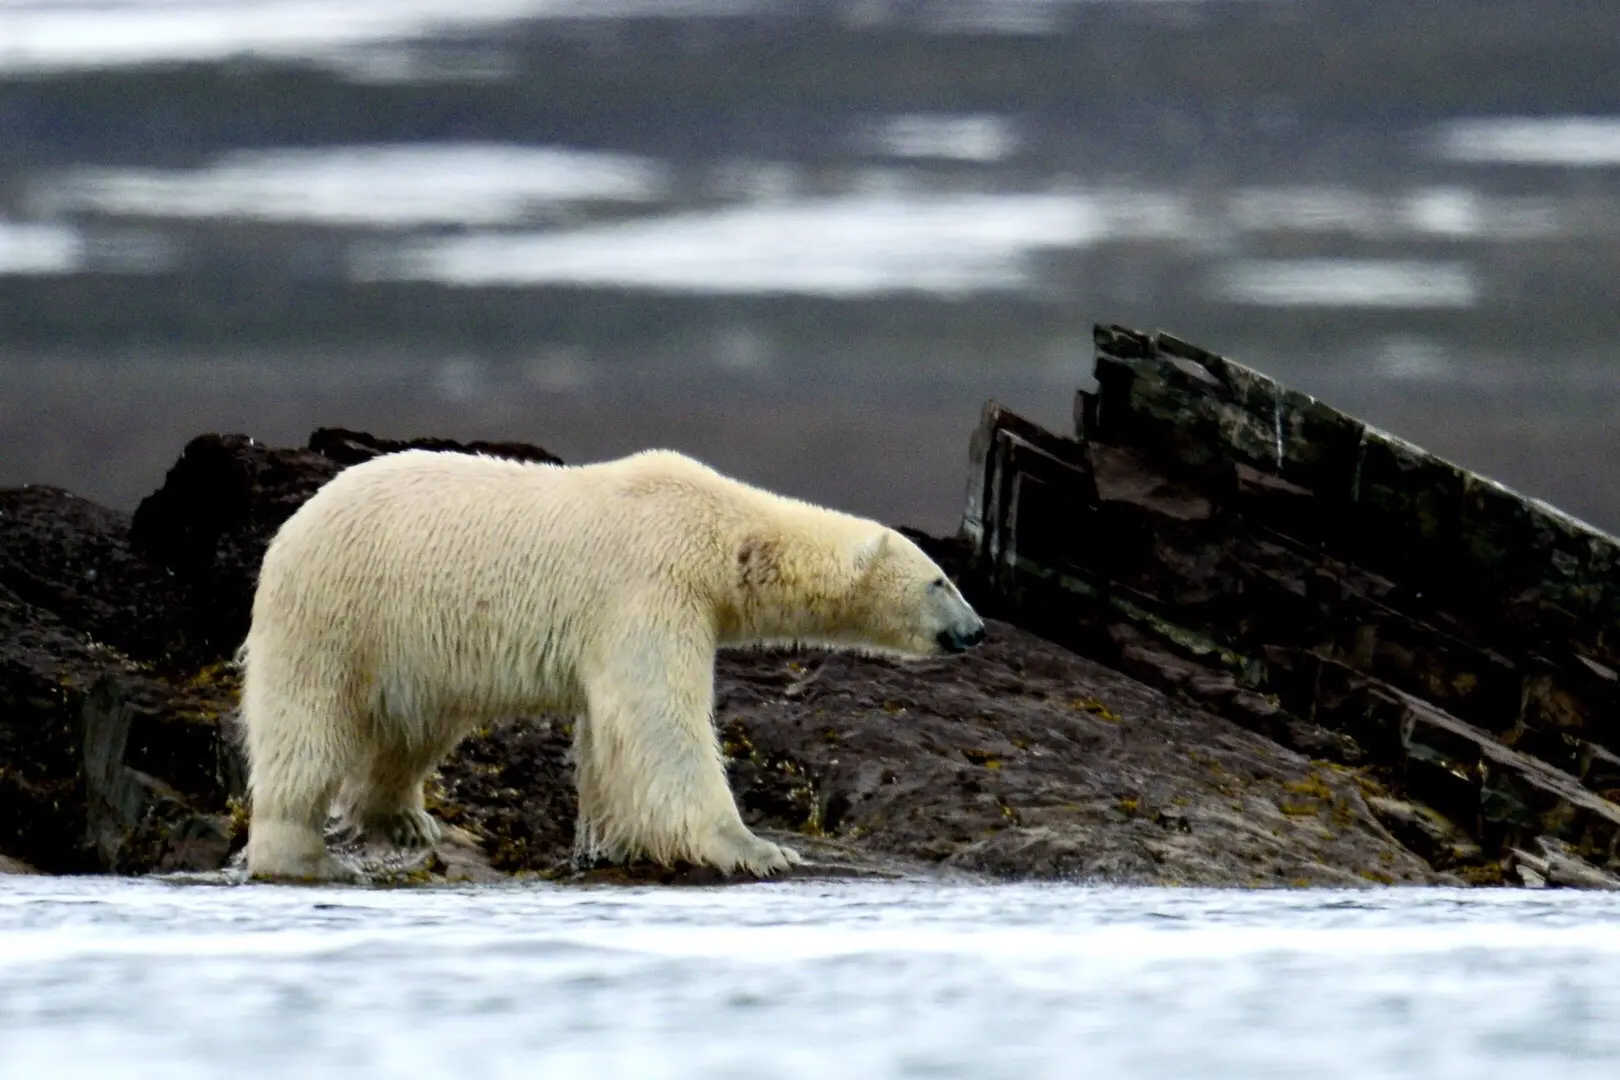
(865, 588)
(905, 604)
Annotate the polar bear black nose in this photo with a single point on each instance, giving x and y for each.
(953, 641)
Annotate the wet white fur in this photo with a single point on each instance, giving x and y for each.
(420, 595)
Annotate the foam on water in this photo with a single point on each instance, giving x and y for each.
(148, 979)
(546, 216)
(983, 137)
(54, 35)
(39, 248)
(465, 183)
(1330, 282)
(856, 245)
(1560, 141)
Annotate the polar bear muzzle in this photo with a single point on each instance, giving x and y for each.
(960, 627)
(956, 641)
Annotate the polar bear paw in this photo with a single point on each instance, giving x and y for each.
(324, 871)
(737, 849)
(292, 852)
(409, 828)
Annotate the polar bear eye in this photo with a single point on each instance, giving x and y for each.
(937, 583)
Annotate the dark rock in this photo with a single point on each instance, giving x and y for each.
(352, 447)
(79, 722)
(207, 526)
(1427, 832)
(1203, 667)
(1321, 583)
(1019, 759)
(1554, 864)
(1067, 776)
(72, 558)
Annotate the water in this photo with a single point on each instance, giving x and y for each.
(148, 979)
(39, 249)
(56, 35)
(545, 216)
(1350, 282)
(770, 234)
(1566, 141)
(467, 184)
(846, 247)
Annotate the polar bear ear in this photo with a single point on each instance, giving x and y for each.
(871, 549)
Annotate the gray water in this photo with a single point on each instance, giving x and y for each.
(121, 978)
(738, 228)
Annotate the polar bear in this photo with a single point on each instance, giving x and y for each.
(421, 594)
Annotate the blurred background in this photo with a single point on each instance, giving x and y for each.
(804, 239)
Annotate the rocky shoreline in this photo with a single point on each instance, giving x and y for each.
(1207, 666)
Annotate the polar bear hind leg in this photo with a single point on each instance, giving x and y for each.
(386, 802)
(298, 764)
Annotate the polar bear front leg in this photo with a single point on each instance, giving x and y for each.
(651, 775)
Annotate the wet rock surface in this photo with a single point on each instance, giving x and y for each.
(1022, 759)
(15, 866)
(1177, 687)
(1017, 760)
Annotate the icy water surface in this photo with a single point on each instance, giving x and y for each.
(135, 979)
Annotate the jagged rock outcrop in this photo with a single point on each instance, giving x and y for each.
(1324, 583)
